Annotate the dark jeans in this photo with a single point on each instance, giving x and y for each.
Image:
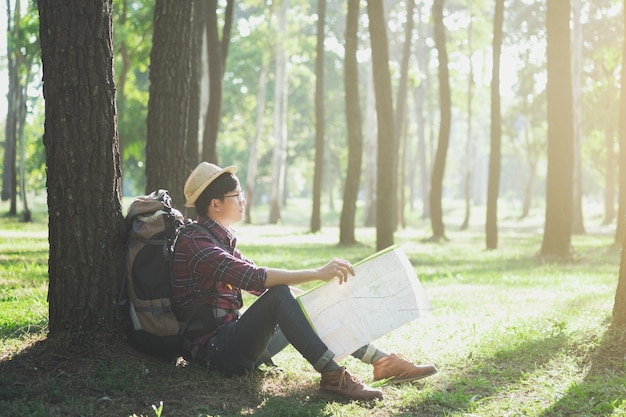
(237, 346)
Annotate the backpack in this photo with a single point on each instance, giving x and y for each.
(153, 226)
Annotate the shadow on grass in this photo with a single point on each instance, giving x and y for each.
(488, 376)
(603, 390)
(490, 379)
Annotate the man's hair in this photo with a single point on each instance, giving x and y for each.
(217, 189)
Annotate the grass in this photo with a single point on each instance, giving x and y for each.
(511, 336)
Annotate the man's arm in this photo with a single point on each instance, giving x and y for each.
(337, 268)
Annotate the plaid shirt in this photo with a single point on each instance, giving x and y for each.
(199, 263)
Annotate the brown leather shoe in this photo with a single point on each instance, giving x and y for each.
(397, 369)
(340, 384)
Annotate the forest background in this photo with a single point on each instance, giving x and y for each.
(249, 76)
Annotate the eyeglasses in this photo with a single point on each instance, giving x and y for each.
(240, 195)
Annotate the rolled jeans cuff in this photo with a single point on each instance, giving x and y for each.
(323, 361)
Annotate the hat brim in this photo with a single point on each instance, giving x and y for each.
(191, 201)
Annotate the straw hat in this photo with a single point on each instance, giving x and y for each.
(200, 178)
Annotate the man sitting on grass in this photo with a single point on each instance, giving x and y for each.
(208, 268)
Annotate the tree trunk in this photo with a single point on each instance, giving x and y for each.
(621, 206)
(400, 117)
(9, 174)
(559, 190)
(610, 175)
(468, 137)
(370, 155)
(420, 104)
(385, 197)
(318, 169)
(619, 307)
(168, 107)
(491, 228)
(83, 164)
(445, 103)
(578, 224)
(353, 123)
(279, 157)
(192, 152)
(216, 72)
(253, 162)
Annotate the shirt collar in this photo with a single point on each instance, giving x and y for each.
(219, 231)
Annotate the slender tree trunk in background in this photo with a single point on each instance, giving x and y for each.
(253, 159)
(318, 169)
(85, 222)
(491, 229)
(610, 176)
(559, 188)
(21, 139)
(529, 188)
(468, 142)
(353, 123)
(279, 157)
(420, 104)
(9, 174)
(400, 116)
(168, 107)
(578, 224)
(216, 72)
(385, 204)
(445, 103)
(370, 155)
(621, 206)
(192, 151)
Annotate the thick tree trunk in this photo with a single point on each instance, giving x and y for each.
(385, 197)
(491, 229)
(83, 164)
(168, 107)
(559, 191)
(353, 123)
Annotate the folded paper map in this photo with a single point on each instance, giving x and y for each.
(384, 294)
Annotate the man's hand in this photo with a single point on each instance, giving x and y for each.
(337, 268)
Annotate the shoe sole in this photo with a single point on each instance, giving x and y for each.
(394, 380)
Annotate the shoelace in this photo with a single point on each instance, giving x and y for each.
(343, 381)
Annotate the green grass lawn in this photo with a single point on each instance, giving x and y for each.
(511, 336)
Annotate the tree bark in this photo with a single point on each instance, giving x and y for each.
(385, 197)
(445, 103)
(318, 169)
(353, 123)
(83, 164)
(496, 132)
(559, 190)
(168, 107)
